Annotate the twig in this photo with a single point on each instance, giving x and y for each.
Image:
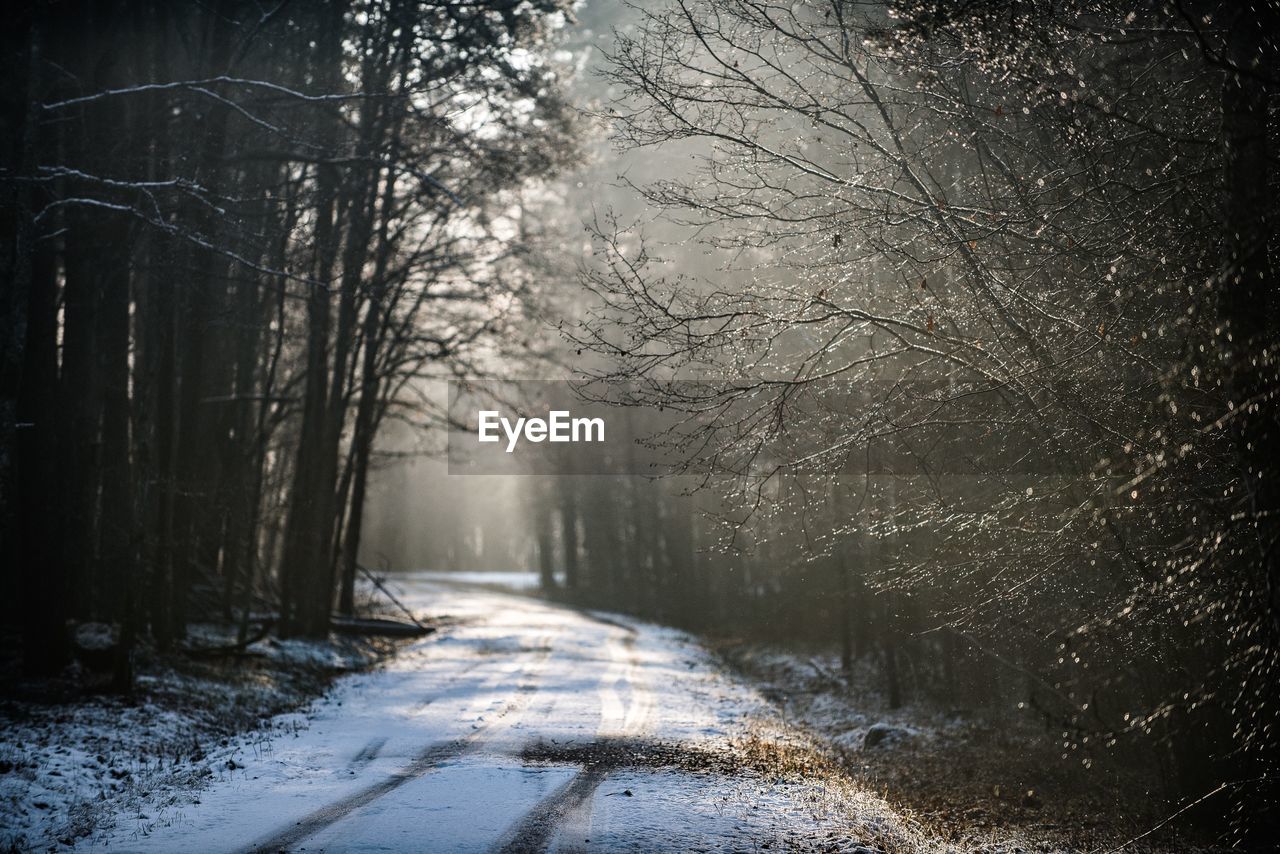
(377, 582)
(1170, 818)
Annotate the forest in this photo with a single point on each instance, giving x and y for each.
(962, 318)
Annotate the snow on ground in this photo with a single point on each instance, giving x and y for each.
(523, 726)
(810, 691)
(518, 581)
(56, 771)
(72, 766)
(989, 783)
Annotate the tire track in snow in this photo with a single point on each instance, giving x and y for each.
(369, 752)
(567, 810)
(430, 758)
(540, 824)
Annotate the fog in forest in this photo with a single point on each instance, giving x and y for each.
(934, 352)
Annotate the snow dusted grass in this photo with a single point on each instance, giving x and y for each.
(952, 780)
(77, 767)
(856, 819)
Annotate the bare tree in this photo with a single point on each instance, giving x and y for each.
(967, 253)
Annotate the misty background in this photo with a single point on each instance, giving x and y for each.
(250, 247)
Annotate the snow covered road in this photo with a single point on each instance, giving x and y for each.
(526, 727)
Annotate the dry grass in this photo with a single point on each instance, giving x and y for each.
(986, 785)
(785, 758)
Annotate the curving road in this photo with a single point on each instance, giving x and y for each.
(525, 727)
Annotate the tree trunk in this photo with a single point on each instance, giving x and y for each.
(29, 374)
(844, 609)
(363, 447)
(569, 532)
(118, 532)
(305, 565)
(889, 640)
(542, 532)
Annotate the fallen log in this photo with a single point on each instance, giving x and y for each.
(378, 626)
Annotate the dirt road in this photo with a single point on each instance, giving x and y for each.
(529, 727)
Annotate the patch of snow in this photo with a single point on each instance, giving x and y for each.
(90, 769)
(520, 581)
(95, 636)
(811, 691)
